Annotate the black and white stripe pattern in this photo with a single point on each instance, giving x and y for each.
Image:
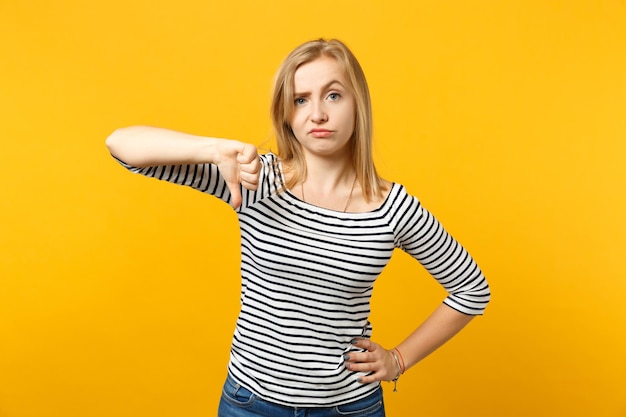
(307, 277)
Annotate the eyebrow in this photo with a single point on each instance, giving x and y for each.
(324, 87)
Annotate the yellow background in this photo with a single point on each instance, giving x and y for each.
(118, 294)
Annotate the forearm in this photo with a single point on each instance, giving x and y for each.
(437, 329)
(143, 146)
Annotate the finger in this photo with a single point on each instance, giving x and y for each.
(247, 155)
(362, 366)
(366, 379)
(253, 167)
(250, 186)
(235, 193)
(364, 343)
(249, 181)
(371, 371)
(248, 172)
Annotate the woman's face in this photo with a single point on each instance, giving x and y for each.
(324, 109)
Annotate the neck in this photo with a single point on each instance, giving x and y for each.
(329, 174)
(329, 182)
(330, 200)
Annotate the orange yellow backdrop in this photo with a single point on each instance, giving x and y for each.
(118, 294)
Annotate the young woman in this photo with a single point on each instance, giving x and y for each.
(318, 225)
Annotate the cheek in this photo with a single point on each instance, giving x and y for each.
(297, 120)
(350, 118)
(350, 113)
(295, 126)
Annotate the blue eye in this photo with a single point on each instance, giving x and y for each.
(299, 101)
(334, 96)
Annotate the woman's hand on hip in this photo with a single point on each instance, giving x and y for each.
(377, 362)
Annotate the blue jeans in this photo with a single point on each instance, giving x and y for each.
(237, 401)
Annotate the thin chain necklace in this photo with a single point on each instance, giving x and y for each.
(349, 195)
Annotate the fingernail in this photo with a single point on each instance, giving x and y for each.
(346, 357)
(354, 341)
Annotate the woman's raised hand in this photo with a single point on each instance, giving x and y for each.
(238, 163)
(143, 146)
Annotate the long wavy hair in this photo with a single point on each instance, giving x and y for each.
(289, 149)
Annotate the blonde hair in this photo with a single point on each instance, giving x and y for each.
(289, 149)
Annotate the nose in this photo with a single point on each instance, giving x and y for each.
(318, 113)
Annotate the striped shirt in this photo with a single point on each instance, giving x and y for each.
(307, 277)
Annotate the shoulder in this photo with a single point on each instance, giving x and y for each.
(395, 190)
(400, 202)
(268, 158)
(270, 162)
(272, 168)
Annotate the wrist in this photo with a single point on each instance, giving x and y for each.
(397, 361)
(401, 362)
(212, 150)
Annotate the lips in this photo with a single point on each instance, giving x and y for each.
(320, 133)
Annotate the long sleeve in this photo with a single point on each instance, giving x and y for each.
(207, 179)
(422, 236)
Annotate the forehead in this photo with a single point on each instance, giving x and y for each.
(319, 73)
